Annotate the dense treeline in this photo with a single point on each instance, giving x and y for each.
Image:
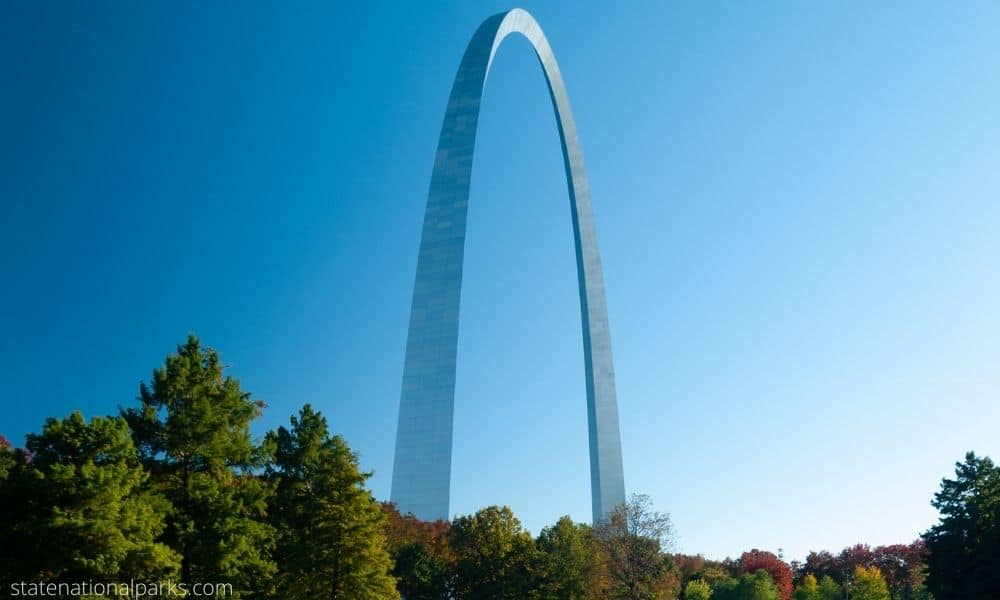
(174, 491)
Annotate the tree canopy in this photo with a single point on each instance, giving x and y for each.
(85, 510)
(331, 531)
(572, 568)
(192, 427)
(633, 537)
(175, 488)
(869, 584)
(964, 546)
(779, 571)
(494, 556)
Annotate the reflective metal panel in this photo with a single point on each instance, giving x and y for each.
(422, 468)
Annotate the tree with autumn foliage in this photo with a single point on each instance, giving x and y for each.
(780, 572)
(868, 584)
(822, 563)
(901, 565)
(715, 571)
(691, 567)
(852, 557)
(421, 553)
(633, 537)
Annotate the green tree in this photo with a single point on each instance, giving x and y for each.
(869, 584)
(726, 588)
(713, 573)
(192, 428)
(829, 589)
(572, 568)
(331, 531)
(698, 589)
(758, 586)
(633, 538)
(421, 575)
(494, 556)
(750, 586)
(964, 547)
(84, 512)
(808, 589)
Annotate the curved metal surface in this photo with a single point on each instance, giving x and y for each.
(422, 468)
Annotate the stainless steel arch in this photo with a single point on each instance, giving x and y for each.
(422, 467)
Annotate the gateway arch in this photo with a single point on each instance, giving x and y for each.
(421, 474)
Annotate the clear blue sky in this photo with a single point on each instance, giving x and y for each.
(797, 207)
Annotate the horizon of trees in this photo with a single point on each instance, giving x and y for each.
(175, 489)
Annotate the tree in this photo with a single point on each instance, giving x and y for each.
(192, 429)
(808, 589)
(420, 575)
(14, 541)
(750, 586)
(494, 556)
(421, 553)
(689, 565)
(902, 565)
(829, 589)
(572, 568)
(758, 586)
(850, 558)
(7, 458)
(964, 546)
(698, 589)
(780, 572)
(714, 572)
(331, 531)
(869, 584)
(727, 588)
(632, 538)
(823, 564)
(84, 513)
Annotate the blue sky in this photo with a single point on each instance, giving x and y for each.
(797, 208)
